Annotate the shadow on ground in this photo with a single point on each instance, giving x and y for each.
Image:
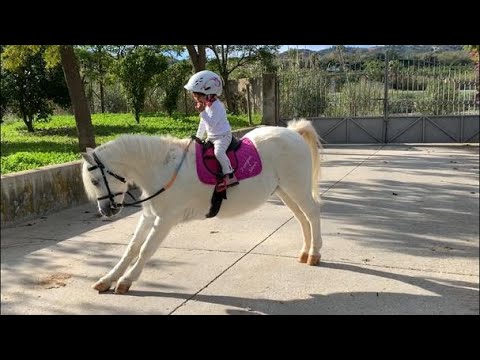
(446, 295)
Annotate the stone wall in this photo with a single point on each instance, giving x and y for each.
(30, 194)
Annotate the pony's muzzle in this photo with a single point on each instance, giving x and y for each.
(109, 209)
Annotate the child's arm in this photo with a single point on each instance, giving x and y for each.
(201, 129)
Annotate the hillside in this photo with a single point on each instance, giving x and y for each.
(403, 51)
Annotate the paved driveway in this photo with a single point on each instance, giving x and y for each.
(400, 229)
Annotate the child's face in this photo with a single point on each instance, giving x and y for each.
(199, 97)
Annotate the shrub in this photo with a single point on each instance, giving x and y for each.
(357, 99)
(441, 97)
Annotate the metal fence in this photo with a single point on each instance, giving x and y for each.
(397, 129)
(378, 88)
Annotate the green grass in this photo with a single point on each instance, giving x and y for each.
(56, 141)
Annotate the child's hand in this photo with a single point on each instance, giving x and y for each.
(200, 106)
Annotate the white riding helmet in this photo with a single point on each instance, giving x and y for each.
(205, 82)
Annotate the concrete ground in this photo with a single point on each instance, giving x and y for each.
(400, 226)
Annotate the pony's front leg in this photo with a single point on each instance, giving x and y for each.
(144, 226)
(160, 229)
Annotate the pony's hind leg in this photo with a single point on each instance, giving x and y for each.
(158, 232)
(144, 225)
(302, 219)
(311, 210)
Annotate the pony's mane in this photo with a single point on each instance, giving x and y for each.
(146, 147)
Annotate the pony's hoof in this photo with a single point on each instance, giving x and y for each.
(313, 260)
(122, 288)
(101, 286)
(303, 258)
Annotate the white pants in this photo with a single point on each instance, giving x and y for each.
(221, 143)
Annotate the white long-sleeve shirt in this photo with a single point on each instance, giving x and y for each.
(214, 121)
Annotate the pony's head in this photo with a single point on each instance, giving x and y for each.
(102, 184)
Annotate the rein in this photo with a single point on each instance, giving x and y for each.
(111, 196)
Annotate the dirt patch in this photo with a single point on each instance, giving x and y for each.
(53, 281)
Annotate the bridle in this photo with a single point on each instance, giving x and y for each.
(111, 196)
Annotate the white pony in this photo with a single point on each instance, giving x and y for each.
(290, 161)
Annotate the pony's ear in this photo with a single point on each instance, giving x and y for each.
(87, 156)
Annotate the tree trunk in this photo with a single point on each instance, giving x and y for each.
(228, 96)
(86, 137)
(102, 97)
(90, 98)
(28, 122)
(138, 106)
(198, 58)
(102, 90)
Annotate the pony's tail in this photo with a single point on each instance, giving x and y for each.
(309, 134)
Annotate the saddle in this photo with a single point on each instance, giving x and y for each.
(244, 159)
(210, 161)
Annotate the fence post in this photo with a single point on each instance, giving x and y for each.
(385, 101)
(277, 100)
(269, 99)
(249, 105)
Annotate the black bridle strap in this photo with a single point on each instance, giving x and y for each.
(102, 167)
(142, 200)
(122, 179)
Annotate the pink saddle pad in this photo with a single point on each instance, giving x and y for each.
(245, 161)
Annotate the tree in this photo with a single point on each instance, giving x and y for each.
(96, 61)
(14, 56)
(26, 97)
(374, 70)
(83, 119)
(474, 52)
(172, 81)
(230, 57)
(30, 88)
(4, 95)
(136, 72)
(198, 56)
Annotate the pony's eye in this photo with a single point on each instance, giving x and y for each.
(95, 182)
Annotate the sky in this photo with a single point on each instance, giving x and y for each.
(316, 47)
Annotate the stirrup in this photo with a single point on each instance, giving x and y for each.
(221, 186)
(230, 180)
